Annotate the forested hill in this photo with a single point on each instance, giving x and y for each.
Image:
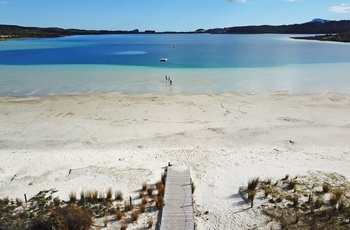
(318, 26)
(313, 27)
(341, 37)
(13, 31)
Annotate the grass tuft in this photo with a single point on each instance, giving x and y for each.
(124, 226)
(109, 193)
(326, 187)
(253, 184)
(135, 216)
(119, 195)
(292, 184)
(150, 191)
(72, 197)
(144, 186)
(119, 214)
(150, 222)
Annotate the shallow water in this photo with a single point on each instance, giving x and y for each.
(197, 64)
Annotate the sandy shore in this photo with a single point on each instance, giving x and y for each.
(112, 140)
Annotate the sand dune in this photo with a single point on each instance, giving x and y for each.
(96, 141)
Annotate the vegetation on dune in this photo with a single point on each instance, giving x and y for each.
(47, 211)
(316, 201)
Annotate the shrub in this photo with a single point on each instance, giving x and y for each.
(253, 184)
(19, 202)
(105, 221)
(82, 195)
(57, 201)
(150, 191)
(72, 197)
(128, 207)
(144, 201)
(286, 177)
(160, 202)
(119, 195)
(338, 193)
(326, 187)
(119, 214)
(124, 226)
(109, 193)
(150, 222)
(292, 184)
(135, 216)
(155, 199)
(161, 189)
(319, 202)
(142, 194)
(295, 200)
(71, 216)
(94, 196)
(267, 191)
(142, 208)
(144, 186)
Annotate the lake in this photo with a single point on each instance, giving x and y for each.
(197, 63)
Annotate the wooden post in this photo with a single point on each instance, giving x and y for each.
(130, 201)
(25, 198)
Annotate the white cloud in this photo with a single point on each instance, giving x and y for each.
(342, 8)
(237, 1)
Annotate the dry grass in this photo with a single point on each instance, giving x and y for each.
(150, 191)
(119, 214)
(150, 222)
(326, 187)
(119, 195)
(144, 200)
(142, 208)
(109, 193)
(160, 202)
(135, 216)
(144, 186)
(160, 188)
(49, 210)
(306, 207)
(253, 184)
(124, 226)
(292, 184)
(128, 207)
(72, 197)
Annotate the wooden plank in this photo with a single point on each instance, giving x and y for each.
(178, 207)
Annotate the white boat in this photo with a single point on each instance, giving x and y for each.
(164, 59)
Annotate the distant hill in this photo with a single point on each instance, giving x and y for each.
(316, 26)
(14, 31)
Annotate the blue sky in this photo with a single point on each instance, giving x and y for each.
(167, 15)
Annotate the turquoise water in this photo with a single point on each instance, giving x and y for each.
(197, 63)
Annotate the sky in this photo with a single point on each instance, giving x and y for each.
(167, 15)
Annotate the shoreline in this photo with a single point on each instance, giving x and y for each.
(54, 80)
(94, 141)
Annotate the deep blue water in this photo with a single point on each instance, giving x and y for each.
(192, 51)
(197, 63)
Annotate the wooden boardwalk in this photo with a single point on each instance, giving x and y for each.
(178, 208)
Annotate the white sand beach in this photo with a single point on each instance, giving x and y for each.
(96, 141)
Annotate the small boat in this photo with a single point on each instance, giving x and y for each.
(164, 59)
